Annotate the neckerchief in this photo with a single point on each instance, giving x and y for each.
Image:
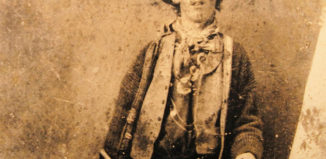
(195, 52)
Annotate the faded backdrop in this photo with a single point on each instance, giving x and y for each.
(61, 63)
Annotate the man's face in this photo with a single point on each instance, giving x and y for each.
(199, 11)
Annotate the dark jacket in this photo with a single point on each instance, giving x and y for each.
(243, 124)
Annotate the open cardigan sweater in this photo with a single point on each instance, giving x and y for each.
(240, 120)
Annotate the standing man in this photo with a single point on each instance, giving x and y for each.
(188, 95)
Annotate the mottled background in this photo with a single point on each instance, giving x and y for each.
(61, 62)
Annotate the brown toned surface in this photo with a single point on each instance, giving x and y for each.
(61, 63)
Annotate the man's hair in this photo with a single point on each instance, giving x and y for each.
(217, 6)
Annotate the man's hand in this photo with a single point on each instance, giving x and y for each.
(247, 155)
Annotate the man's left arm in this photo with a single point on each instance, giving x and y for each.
(248, 140)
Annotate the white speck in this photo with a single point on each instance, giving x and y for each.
(96, 69)
(276, 136)
(12, 115)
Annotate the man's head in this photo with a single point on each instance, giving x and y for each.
(196, 10)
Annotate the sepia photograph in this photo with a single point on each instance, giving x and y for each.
(162, 79)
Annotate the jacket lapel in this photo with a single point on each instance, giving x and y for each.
(227, 70)
(152, 111)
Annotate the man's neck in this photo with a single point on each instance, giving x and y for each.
(195, 27)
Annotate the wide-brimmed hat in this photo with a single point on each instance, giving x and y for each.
(218, 2)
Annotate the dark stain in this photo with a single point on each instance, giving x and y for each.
(154, 3)
(144, 139)
(252, 2)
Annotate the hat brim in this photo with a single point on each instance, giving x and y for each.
(169, 2)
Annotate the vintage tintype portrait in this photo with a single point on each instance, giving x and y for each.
(188, 95)
(162, 79)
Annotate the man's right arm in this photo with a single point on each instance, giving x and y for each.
(128, 90)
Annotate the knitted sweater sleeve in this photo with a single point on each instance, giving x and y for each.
(128, 90)
(247, 125)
